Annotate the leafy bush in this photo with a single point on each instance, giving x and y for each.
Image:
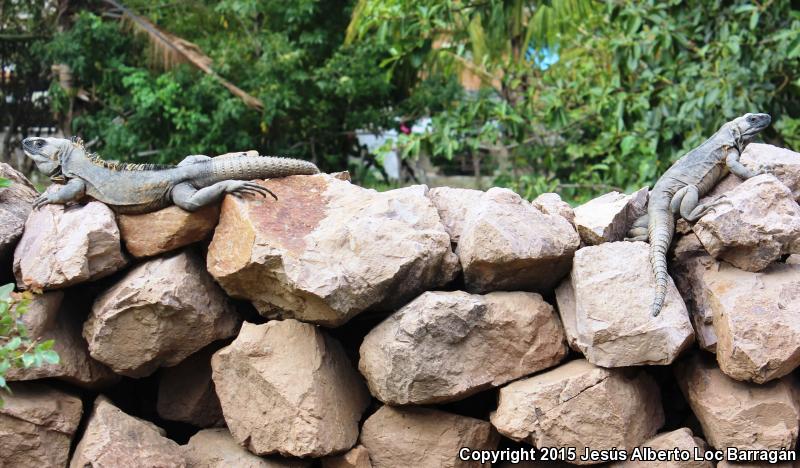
(17, 349)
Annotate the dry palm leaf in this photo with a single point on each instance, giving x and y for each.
(168, 51)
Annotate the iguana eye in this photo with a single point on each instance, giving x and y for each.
(39, 143)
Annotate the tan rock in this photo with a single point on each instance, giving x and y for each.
(453, 205)
(216, 448)
(793, 259)
(607, 218)
(15, 206)
(186, 391)
(580, 405)
(507, 244)
(37, 424)
(739, 414)
(780, 162)
(49, 317)
(689, 273)
(681, 439)
(752, 225)
(63, 246)
(356, 457)
(755, 320)
(424, 437)
(552, 204)
(167, 229)
(565, 300)
(614, 289)
(327, 250)
(287, 387)
(113, 438)
(445, 346)
(158, 314)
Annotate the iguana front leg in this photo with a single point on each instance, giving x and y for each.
(737, 168)
(74, 190)
(191, 199)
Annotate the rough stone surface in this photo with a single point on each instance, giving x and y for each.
(607, 218)
(507, 244)
(755, 319)
(565, 300)
(752, 225)
(614, 288)
(216, 448)
(162, 311)
(689, 271)
(36, 426)
(63, 246)
(453, 204)
(682, 439)
(327, 250)
(552, 204)
(424, 437)
(286, 387)
(580, 405)
(15, 206)
(167, 229)
(113, 438)
(49, 317)
(780, 162)
(445, 346)
(357, 457)
(739, 414)
(186, 391)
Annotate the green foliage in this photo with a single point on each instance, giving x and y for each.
(17, 349)
(290, 55)
(636, 85)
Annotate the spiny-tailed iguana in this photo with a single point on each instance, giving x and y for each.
(691, 177)
(138, 188)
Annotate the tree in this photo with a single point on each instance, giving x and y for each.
(635, 86)
(314, 90)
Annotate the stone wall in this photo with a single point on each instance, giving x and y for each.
(343, 327)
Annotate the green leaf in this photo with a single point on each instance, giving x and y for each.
(28, 360)
(5, 290)
(793, 50)
(4, 182)
(50, 356)
(13, 343)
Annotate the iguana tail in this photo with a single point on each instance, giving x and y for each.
(258, 167)
(660, 231)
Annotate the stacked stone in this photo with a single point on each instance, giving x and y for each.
(407, 328)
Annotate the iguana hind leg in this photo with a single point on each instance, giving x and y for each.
(191, 199)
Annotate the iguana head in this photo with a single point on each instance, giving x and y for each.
(745, 128)
(47, 152)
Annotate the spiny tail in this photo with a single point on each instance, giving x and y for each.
(660, 231)
(259, 167)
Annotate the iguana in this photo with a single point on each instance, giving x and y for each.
(195, 182)
(678, 190)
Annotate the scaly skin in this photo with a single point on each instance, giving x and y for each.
(691, 177)
(139, 188)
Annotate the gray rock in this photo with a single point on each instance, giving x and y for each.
(607, 218)
(216, 448)
(15, 206)
(186, 391)
(453, 204)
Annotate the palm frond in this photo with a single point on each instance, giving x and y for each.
(168, 51)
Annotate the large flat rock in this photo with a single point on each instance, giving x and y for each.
(49, 317)
(63, 246)
(508, 244)
(158, 314)
(755, 318)
(113, 438)
(287, 387)
(445, 346)
(424, 437)
(739, 414)
(37, 424)
(167, 229)
(607, 218)
(614, 288)
(583, 406)
(752, 225)
(327, 250)
(216, 448)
